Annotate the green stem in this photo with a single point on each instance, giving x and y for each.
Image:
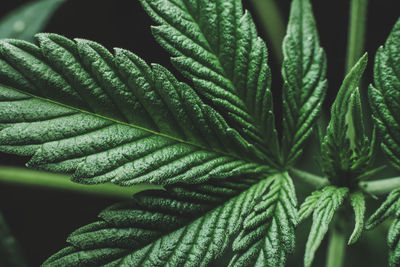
(309, 178)
(380, 187)
(273, 24)
(26, 177)
(336, 248)
(356, 34)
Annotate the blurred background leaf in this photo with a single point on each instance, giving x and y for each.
(10, 254)
(27, 20)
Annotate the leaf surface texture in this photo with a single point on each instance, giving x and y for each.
(77, 108)
(385, 95)
(267, 236)
(330, 199)
(341, 156)
(186, 225)
(214, 43)
(304, 75)
(390, 208)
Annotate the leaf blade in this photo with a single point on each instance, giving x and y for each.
(217, 47)
(184, 225)
(71, 118)
(330, 200)
(304, 74)
(357, 201)
(267, 235)
(384, 95)
(338, 157)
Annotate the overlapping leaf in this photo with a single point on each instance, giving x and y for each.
(344, 159)
(385, 95)
(357, 201)
(324, 206)
(304, 74)
(309, 205)
(389, 208)
(267, 234)
(393, 242)
(182, 226)
(386, 210)
(75, 107)
(217, 47)
(24, 22)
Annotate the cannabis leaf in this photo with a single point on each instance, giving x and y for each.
(216, 46)
(357, 201)
(389, 208)
(384, 98)
(267, 234)
(75, 107)
(303, 71)
(309, 205)
(385, 95)
(188, 225)
(324, 206)
(343, 158)
(24, 22)
(393, 242)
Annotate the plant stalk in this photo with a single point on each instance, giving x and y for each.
(26, 177)
(380, 187)
(336, 248)
(273, 24)
(309, 178)
(356, 33)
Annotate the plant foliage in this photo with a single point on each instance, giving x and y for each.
(211, 142)
(384, 99)
(389, 208)
(323, 206)
(385, 94)
(266, 234)
(345, 151)
(59, 107)
(303, 71)
(74, 107)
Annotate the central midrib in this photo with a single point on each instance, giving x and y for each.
(136, 127)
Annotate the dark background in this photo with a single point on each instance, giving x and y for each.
(41, 219)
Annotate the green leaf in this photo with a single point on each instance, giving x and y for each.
(215, 45)
(357, 201)
(387, 209)
(304, 75)
(10, 255)
(309, 205)
(330, 200)
(77, 108)
(354, 120)
(384, 96)
(393, 243)
(24, 22)
(188, 225)
(340, 156)
(267, 236)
